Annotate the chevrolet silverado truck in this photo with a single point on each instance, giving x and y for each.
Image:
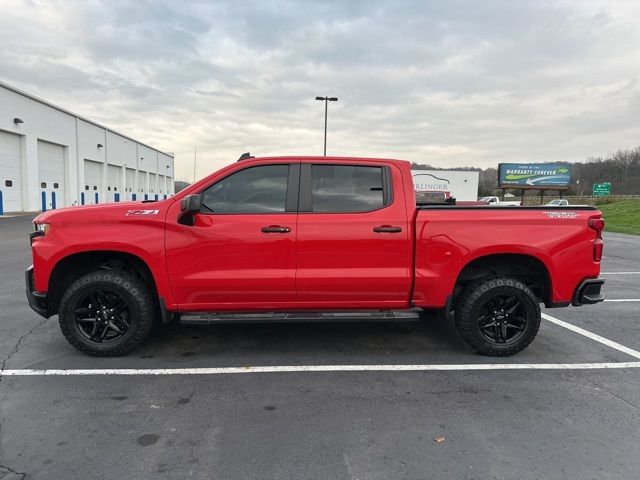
(299, 238)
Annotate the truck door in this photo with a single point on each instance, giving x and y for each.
(353, 236)
(241, 250)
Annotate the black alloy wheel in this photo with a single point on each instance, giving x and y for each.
(503, 318)
(106, 312)
(498, 316)
(103, 316)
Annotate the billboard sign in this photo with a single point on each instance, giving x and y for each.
(601, 189)
(534, 174)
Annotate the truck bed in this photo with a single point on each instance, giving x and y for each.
(450, 237)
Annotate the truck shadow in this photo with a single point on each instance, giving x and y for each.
(264, 343)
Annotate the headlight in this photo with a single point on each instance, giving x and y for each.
(42, 227)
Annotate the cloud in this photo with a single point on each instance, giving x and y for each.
(446, 83)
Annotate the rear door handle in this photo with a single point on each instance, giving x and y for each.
(275, 229)
(387, 229)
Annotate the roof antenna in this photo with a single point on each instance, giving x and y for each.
(245, 156)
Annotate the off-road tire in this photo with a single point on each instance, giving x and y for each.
(139, 302)
(474, 298)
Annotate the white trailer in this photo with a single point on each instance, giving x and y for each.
(461, 184)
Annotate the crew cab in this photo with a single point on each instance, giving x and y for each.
(309, 237)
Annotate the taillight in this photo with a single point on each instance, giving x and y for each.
(598, 245)
(597, 224)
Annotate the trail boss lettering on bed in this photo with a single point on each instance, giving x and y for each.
(561, 214)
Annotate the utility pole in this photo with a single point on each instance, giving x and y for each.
(326, 102)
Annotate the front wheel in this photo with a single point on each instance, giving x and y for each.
(498, 317)
(106, 313)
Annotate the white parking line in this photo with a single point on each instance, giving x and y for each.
(592, 336)
(322, 368)
(622, 299)
(355, 368)
(619, 273)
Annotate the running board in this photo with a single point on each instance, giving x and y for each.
(207, 318)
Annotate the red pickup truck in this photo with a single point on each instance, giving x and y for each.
(305, 238)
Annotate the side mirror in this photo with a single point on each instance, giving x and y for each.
(191, 204)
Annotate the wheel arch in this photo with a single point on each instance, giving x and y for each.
(528, 269)
(74, 266)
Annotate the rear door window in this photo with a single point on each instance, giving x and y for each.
(346, 188)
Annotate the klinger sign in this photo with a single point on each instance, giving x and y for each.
(534, 174)
(427, 182)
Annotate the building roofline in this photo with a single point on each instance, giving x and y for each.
(80, 117)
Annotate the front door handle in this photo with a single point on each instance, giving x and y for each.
(275, 229)
(387, 229)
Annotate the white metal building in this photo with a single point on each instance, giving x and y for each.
(52, 158)
(461, 184)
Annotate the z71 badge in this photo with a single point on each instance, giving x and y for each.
(141, 212)
(561, 214)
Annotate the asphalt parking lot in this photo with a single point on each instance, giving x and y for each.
(567, 407)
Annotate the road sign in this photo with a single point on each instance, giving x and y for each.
(601, 189)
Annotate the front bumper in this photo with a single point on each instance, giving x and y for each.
(588, 292)
(37, 300)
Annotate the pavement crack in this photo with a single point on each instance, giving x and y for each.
(17, 346)
(396, 460)
(613, 394)
(4, 471)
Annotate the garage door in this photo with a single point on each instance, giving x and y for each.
(51, 175)
(161, 190)
(153, 189)
(142, 184)
(10, 173)
(114, 183)
(92, 182)
(129, 183)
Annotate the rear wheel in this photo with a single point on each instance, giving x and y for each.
(498, 317)
(106, 313)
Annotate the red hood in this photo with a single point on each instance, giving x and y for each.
(99, 212)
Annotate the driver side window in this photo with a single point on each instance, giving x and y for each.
(261, 189)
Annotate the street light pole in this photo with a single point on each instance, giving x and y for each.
(326, 103)
(195, 152)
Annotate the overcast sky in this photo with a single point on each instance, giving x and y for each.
(446, 83)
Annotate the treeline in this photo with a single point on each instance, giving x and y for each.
(621, 169)
(180, 185)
